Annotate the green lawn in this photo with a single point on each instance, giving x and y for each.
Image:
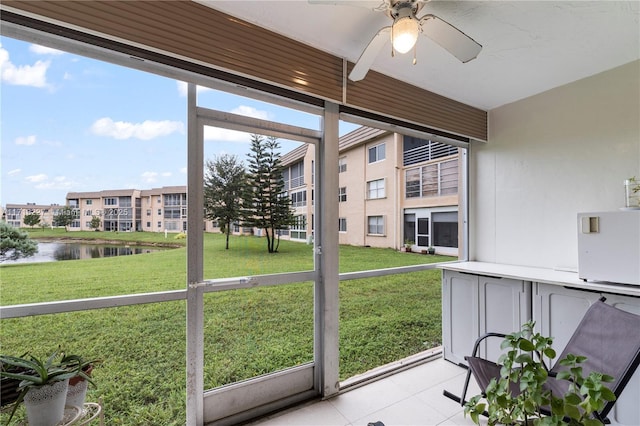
(247, 332)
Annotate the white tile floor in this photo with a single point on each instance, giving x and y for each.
(411, 397)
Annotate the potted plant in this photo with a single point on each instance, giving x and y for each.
(518, 396)
(431, 250)
(43, 386)
(78, 384)
(632, 193)
(407, 246)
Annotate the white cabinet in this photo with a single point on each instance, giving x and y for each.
(480, 297)
(558, 310)
(475, 304)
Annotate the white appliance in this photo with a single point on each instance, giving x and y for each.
(609, 246)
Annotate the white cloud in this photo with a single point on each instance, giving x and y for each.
(42, 50)
(14, 172)
(183, 170)
(37, 178)
(23, 75)
(166, 174)
(146, 130)
(26, 140)
(248, 111)
(149, 177)
(58, 182)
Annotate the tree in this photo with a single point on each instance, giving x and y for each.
(95, 223)
(64, 217)
(224, 187)
(266, 204)
(32, 219)
(15, 243)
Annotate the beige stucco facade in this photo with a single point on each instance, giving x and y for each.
(374, 205)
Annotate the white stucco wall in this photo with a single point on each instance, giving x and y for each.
(548, 157)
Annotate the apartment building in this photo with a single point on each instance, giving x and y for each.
(393, 190)
(124, 210)
(164, 209)
(14, 214)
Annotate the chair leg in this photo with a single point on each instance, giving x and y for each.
(460, 400)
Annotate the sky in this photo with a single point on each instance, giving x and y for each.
(73, 124)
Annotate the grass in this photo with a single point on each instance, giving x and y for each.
(247, 332)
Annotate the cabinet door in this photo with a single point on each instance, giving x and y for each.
(459, 315)
(558, 310)
(505, 304)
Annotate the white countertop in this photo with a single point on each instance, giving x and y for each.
(540, 275)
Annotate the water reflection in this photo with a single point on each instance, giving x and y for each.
(58, 251)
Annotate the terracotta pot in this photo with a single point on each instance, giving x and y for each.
(77, 392)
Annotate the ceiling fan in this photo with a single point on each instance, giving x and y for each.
(404, 32)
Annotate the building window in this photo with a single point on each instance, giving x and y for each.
(432, 180)
(88, 202)
(375, 225)
(175, 199)
(299, 228)
(172, 213)
(88, 213)
(375, 189)
(445, 229)
(159, 224)
(111, 201)
(415, 150)
(293, 176)
(299, 199)
(342, 224)
(376, 153)
(159, 212)
(342, 164)
(342, 194)
(148, 212)
(148, 224)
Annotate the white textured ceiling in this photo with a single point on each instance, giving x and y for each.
(528, 47)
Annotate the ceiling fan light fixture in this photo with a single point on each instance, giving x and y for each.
(404, 33)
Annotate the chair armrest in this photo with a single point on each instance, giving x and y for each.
(479, 340)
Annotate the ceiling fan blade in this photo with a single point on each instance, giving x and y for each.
(370, 54)
(449, 37)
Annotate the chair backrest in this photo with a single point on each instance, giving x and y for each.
(610, 339)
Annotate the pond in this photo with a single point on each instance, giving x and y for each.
(57, 251)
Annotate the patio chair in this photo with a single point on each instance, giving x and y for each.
(607, 336)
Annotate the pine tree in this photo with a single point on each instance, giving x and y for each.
(266, 204)
(15, 243)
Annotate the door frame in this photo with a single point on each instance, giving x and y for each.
(240, 401)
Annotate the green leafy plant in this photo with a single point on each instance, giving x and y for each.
(519, 395)
(36, 372)
(79, 365)
(635, 184)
